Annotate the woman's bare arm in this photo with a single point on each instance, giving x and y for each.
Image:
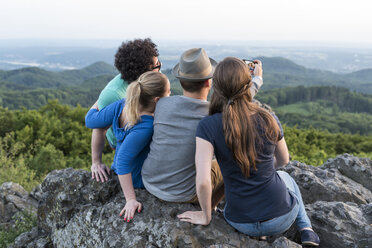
(281, 154)
(203, 159)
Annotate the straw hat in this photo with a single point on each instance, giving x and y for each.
(194, 66)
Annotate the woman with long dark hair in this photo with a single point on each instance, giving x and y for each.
(132, 122)
(249, 145)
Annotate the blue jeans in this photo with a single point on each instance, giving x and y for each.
(282, 223)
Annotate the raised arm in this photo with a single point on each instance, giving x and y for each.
(257, 78)
(203, 159)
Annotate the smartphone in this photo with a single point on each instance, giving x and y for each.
(251, 64)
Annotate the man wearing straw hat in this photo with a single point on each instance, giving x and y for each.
(169, 170)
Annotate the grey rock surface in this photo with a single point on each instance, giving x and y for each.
(13, 199)
(67, 192)
(75, 211)
(341, 224)
(317, 184)
(358, 169)
(94, 219)
(32, 239)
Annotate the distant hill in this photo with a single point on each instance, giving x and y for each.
(32, 77)
(38, 78)
(365, 74)
(32, 87)
(280, 72)
(281, 65)
(343, 98)
(329, 108)
(89, 72)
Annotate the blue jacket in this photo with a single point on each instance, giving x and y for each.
(132, 144)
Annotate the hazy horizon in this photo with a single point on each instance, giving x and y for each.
(335, 22)
(75, 54)
(109, 43)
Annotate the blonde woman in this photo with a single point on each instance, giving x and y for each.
(132, 123)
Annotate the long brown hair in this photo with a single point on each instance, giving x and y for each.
(232, 97)
(141, 94)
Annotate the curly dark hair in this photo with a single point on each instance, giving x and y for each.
(135, 57)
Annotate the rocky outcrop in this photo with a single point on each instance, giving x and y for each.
(358, 169)
(79, 212)
(322, 184)
(68, 192)
(14, 199)
(75, 211)
(342, 223)
(33, 239)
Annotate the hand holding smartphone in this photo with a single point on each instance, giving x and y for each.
(252, 65)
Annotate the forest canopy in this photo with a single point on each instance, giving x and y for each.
(42, 115)
(35, 142)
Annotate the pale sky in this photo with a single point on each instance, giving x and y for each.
(260, 20)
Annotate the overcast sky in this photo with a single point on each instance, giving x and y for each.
(336, 21)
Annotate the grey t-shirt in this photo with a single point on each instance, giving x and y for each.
(169, 169)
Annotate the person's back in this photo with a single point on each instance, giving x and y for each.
(247, 197)
(115, 90)
(132, 122)
(169, 170)
(249, 145)
(132, 59)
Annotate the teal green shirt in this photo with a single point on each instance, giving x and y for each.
(115, 90)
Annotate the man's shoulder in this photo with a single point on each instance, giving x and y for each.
(181, 107)
(182, 100)
(167, 103)
(169, 99)
(114, 90)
